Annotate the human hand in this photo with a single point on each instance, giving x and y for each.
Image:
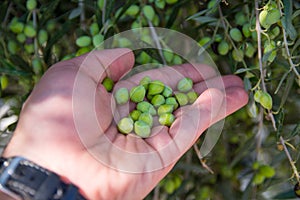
(67, 124)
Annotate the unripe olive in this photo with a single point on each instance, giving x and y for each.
(31, 4)
(267, 171)
(83, 41)
(83, 50)
(270, 50)
(148, 12)
(145, 106)
(203, 41)
(94, 28)
(137, 93)
(250, 50)
(266, 100)
(158, 100)
(258, 179)
(29, 48)
(16, 27)
(267, 17)
(21, 37)
(182, 99)
(133, 10)
(172, 101)
(29, 31)
(166, 108)
(147, 118)
(166, 119)
(4, 82)
(42, 36)
(246, 30)
(156, 87)
(37, 65)
(171, 1)
(238, 55)
(274, 32)
(257, 95)
(167, 91)
(177, 60)
(97, 40)
(168, 56)
(108, 83)
(125, 125)
(192, 96)
(135, 114)
(142, 129)
(124, 42)
(185, 84)
(12, 47)
(236, 35)
(223, 48)
(122, 96)
(160, 4)
(240, 18)
(145, 82)
(218, 38)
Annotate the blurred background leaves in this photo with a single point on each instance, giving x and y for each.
(257, 154)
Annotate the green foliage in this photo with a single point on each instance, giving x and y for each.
(262, 48)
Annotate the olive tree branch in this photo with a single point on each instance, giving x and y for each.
(289, 57)
(202, 161)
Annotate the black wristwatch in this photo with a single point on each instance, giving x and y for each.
(23, 179)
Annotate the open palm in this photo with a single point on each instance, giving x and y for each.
(68, 124)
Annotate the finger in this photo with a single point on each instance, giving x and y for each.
(113, 63)
(220, 82)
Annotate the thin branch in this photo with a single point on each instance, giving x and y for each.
(34, 18)
(82, 14)
(259, 51)
(292, 163)
(293, 66)
(202, 161)
(157, 43)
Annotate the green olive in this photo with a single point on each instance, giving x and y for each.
(240, 18)
(185, 84)
(83, 41)
(145, 106)
(97, 39)
(21, 37)
(29, 31)
(37, 65)
(177, 60)
(223, 48)
(16, 27)
(267, 171)
(250, 50)
(133, 10)
(204, 41)
(246, 30)
(148, 12)
(122, 96)
(238, 55)
(135, 114)
(142, 129)
(167, 91)
(172, 101)
(42, 36)
(31, 4)
(108, 83)
(181, 98)
(166, 119)
(192, 96)
(94, 28)
(236, 35)
(3, 82)
(147, 118)
(145, 82)
(156, 87)
(137, 94)
(166, 108)
(12, 47)
(158, 100)
(125, 125)
(168, 55)
(266, 100)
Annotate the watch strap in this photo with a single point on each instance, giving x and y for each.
(32, 182)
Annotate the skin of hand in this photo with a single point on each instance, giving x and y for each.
(47, 133)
